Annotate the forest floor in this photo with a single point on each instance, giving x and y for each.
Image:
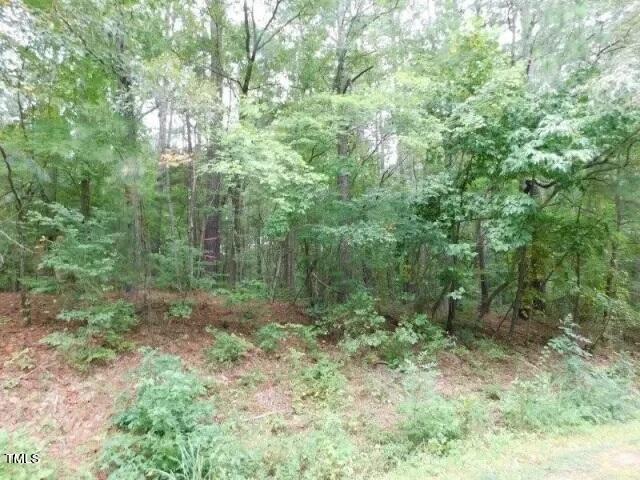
(69, 412)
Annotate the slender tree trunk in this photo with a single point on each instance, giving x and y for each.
(344, 189)
(289, 262)
(453, 285)
(610, 286)
(85, 197)
(235, 252)
(212, 237)
(483, 306)
(521, 256)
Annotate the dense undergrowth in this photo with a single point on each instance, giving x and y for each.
(176, 423)
(168, 427)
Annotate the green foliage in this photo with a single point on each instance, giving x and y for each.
(80, 350)
(116, 317)
(83, 255)
(326, 453)
(364, 329)
(307, 333)
(491, 349)
(177, 266)
(246, 291)
(181, 309)
(322, 381)
(576, 394)
(227, 347)
(268, 337)
(570, 343)
(164, 433)
(18, 442)
(99, 338)
(429, 420)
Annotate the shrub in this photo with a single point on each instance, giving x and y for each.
(117, 317)
(245, 291)
(19, 443)
(163, 431)
(99, 338)
(321, 381)
(181, 309)
(429, 419)
(84, 254)
(491, 349)
(79, 350)
(576, 395)
(398, 346)
(307, 333)
(177, 266)
(326, 453)
(358, 321)
(269, 336)
(227, 347)
(363, 328)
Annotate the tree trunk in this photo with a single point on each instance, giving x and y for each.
(235, 252)
(85, 197)
(520, 287)
(483, 306)
(212, 240)
(289, 262)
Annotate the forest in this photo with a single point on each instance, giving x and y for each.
(319, 239)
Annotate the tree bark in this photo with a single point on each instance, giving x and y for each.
(85, 197)
(521, 256)
(483, 306)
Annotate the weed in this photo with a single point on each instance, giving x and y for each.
(269, 336)
(181, 309)
(326, 453)
(163, 433)
(227, 347)
(576, 395)
(321, 381)
(429, 420)
(99, 339)
(19, 443)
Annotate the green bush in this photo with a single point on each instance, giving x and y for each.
(244, 292)
(429, 420)
(321, 381)
(411, 334)
(164, 431)
(358, 322)
(578, 394)
(116, 317)
(99, 338)
(268, 337)
(326, 453)
(491, 349)
(307, 333)
(227, 347)
(432, 422)
(181, 309)
(17, 442)
(177, 266)
(84, 255)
